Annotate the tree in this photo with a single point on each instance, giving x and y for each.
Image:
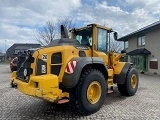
(47, 33)
(67, 22)
(52, 30)
(115, 46)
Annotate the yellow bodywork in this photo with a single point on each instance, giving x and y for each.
(47, 86)
(43, 86)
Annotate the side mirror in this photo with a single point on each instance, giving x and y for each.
(123, 51)
(115, 35)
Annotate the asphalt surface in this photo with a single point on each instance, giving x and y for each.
(145, 105)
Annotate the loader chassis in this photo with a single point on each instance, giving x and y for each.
(79, 70)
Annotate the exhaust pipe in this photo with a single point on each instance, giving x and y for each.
(64, 32)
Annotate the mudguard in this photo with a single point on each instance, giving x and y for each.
(120, 78)
(70, 80)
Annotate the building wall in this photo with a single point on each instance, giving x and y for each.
(132, 44)
(152, 43)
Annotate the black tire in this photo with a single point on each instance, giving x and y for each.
(79, 93)
(126, 89)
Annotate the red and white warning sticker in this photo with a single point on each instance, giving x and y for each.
(71, 66)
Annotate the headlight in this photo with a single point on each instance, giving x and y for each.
(25, 72)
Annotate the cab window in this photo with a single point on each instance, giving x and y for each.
(102, 42)
(84, 37)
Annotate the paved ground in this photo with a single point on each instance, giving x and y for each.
(145, 105)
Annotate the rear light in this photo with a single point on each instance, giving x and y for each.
(71, 66)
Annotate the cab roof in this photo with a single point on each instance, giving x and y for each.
(95, 25)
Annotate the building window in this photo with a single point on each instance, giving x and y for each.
(141, 41)
(125, 44)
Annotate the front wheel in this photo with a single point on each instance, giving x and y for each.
(130, 86)
(89, 94)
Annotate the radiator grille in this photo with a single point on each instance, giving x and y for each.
(24, 64)
(56, 63)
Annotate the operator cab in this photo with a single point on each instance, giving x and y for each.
(95, 36)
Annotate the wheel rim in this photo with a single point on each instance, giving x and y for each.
(133, 81)
(94, 92)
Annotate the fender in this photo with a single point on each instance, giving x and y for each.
(70, 80)
(120, 78)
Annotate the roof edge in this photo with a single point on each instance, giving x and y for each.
(142, 30)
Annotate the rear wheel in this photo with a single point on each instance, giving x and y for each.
(88, 95)
(130, 86)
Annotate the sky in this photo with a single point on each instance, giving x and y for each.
(20, 19)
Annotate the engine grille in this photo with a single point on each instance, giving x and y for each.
(22, 64)
(56, 63)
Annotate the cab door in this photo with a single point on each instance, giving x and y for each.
(100, 43)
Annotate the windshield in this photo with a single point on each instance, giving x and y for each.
(84, 36)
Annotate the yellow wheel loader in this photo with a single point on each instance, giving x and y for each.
(79, 70)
